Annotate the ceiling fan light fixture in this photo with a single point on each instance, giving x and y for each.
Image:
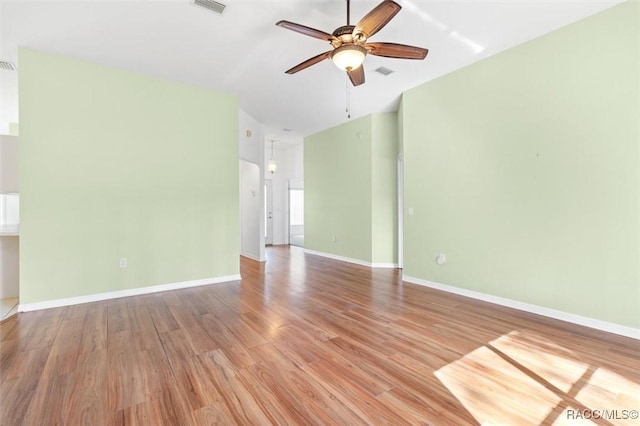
(348, 56)
(272, 166)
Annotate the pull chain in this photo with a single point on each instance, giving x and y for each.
(348, 98)
(347, 87)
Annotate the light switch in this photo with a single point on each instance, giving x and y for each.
(410, 211)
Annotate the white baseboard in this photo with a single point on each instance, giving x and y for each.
(622, 330)
(252, 257)
(384, 265)
(351, 260)
(340, 258)
(26, 307)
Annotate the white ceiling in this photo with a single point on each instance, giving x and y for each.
(244, 53)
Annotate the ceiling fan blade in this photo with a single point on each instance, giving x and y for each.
(356, 76)
(395, 50)
(302, 29)
(377, 18)
(311, 61)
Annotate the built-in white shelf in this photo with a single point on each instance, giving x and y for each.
(9, 226)
(9, 214)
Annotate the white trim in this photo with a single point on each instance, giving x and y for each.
(400, 208)
(622, 330)
(252, 257)
(351, 260)
(340, 258)
(385, 265)
(26, 307)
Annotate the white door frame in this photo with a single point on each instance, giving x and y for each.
(268, 197)
(400, 172)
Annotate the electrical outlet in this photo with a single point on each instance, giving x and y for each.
(333, 238)
(123, 262)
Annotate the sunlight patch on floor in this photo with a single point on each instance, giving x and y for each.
(496, 392)
(618, 392)
(548, 360)
(523, 378)
(567, 418)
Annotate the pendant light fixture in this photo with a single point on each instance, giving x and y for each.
(272, 166)
(348, 56)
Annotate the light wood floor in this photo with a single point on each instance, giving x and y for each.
(306, 340)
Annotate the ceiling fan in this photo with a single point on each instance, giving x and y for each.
(350, 45)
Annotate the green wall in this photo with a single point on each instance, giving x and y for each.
(384, 188)
(337, 190)
(350, 189)
(115, 164)
(524, 169)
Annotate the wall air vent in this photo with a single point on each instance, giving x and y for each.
(383, 71)
(211, 5)
(7, 66)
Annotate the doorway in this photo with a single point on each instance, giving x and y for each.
(296, 216)
(251, 238)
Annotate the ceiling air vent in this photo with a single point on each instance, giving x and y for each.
(383, 71)
(7, 66)
(211, 5)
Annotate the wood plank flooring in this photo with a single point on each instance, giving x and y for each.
(306, 340)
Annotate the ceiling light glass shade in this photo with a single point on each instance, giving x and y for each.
(349, 56)
(272, 166)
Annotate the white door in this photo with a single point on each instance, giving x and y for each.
(268, 212)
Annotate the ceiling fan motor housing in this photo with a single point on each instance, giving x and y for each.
(344, 30)
(343, 35)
